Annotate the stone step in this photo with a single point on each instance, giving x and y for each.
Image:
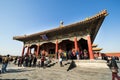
(91, 63)
(81, 63)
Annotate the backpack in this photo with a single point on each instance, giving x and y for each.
(5, 60)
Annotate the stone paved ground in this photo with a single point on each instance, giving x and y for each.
(56, 73)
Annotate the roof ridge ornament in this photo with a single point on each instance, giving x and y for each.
(61, 24)
(103, 12)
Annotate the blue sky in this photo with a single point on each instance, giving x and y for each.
(19, 17)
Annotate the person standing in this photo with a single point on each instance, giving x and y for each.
(30, 58)
(19, 61)
(77, 55)
(60, 54)
(26, 61)
(5, 63)
(73, 54)
(34, 61)
(15, 60)
(42, 58)
(114, 68)
(85, 54)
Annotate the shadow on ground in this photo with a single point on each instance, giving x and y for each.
(17, 70)
(72, 65)
(13, 79)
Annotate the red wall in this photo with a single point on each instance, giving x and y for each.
(112, 54)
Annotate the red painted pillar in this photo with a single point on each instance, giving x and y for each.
(28, 50)
(23, 50)
(90, 47)
(56, 49)
(76, 44)
(38, 47)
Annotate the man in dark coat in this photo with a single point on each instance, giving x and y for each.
(114, 68)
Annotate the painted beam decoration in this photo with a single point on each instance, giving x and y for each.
(44, 37)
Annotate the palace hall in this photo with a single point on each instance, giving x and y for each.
(79, 35)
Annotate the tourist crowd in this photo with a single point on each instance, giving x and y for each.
(45, 59)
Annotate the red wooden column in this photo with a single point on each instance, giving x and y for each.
(76, 44)
(56, 49)
(28, 50)
(90, 47)
(38, 47)
(23, 50)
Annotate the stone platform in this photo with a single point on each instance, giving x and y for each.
(91, 63)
